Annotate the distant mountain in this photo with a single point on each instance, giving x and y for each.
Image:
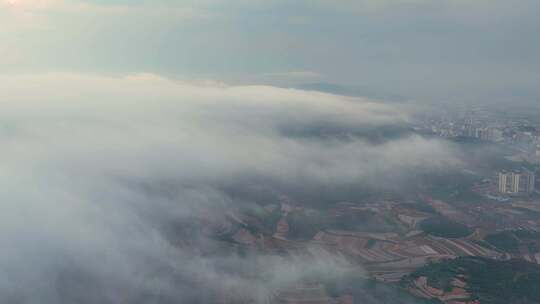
(328, 88)
(338, 89)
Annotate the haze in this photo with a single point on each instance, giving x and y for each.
(208, 151)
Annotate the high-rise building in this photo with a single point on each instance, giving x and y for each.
(530, 182)
(518, 181)
(503, 182)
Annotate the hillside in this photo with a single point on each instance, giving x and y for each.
(471, 279)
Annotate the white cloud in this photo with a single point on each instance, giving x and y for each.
(76, 147)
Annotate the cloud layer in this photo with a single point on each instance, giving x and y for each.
(94, 168)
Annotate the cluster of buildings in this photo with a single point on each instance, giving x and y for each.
(519, 135)
(517, 182)
(483, 133)
(469, 123)
(466, 129)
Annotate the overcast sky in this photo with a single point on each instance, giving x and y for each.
(420, 49)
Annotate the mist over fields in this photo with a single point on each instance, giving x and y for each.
(96, 171)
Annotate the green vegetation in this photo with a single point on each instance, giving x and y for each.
(439, 275)
(505, 241)
(422, 207)
(533, 248)
(260, 220)
(526, 234)
(365, 221)
(304, 226)
(490, 281)
(371, 292)
(443, 227)
(371, 243)
(511, 240)
(453, 187)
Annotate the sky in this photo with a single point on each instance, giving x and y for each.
(432, 50)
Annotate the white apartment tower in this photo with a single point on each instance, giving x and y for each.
(518, 181)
